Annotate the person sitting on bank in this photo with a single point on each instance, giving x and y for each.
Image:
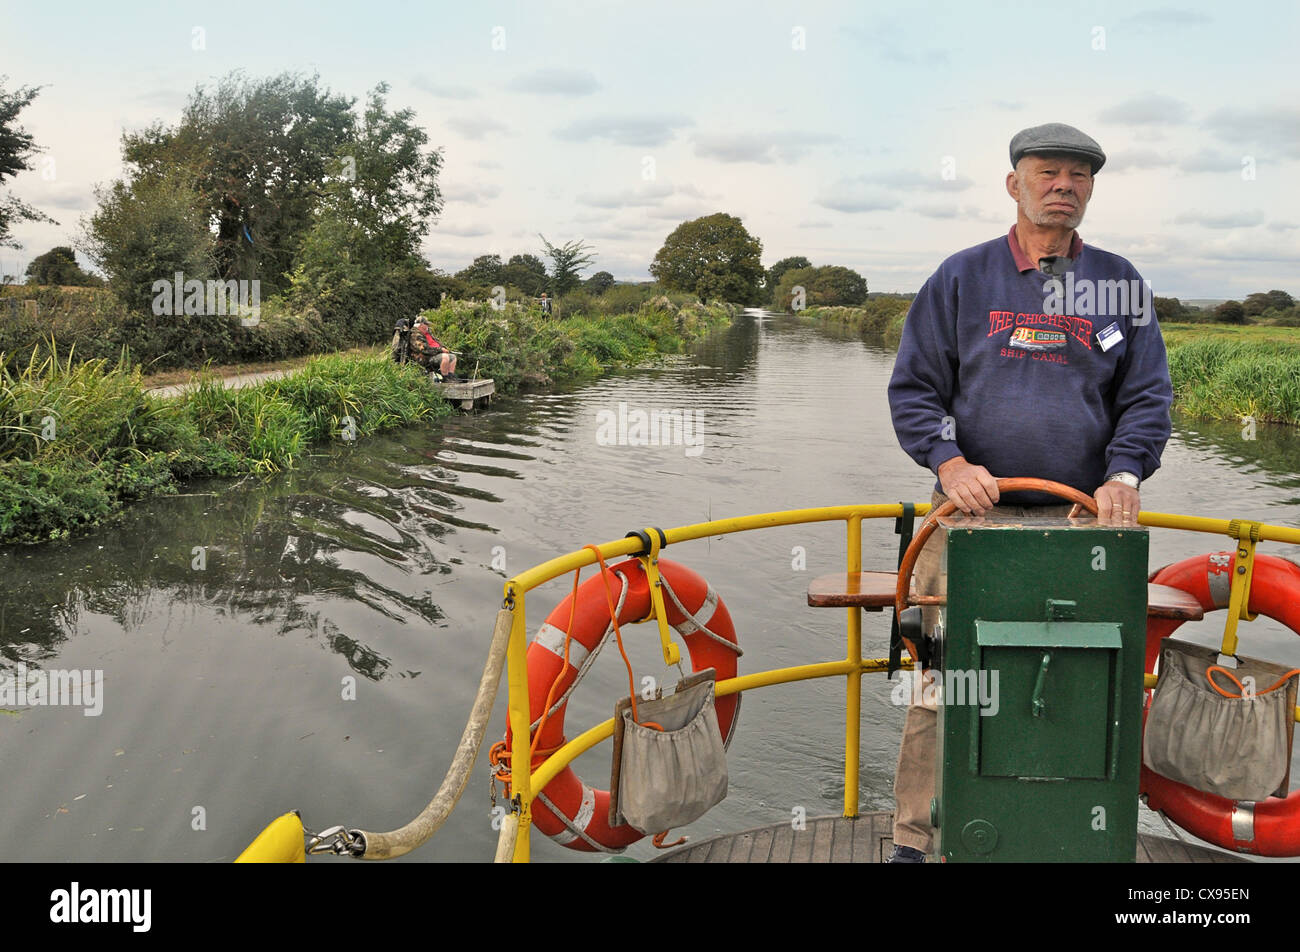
(429, 353)
(401, 345)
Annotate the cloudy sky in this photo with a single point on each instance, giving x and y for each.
(862, 134)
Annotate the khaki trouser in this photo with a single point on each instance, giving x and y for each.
(914, 777)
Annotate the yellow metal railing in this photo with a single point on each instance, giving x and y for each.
(527, 781)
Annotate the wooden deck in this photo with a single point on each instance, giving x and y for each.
(466, 393)
(869, 839)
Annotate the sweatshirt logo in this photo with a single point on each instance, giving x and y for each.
(1040, 331)
(1027, 338)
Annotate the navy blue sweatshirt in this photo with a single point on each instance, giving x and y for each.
(1064, 381)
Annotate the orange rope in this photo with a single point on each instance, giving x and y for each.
(618, 635)
(1209, 676)
(550, 695)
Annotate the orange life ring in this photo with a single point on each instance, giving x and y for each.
(1268, 827)
(569, 811)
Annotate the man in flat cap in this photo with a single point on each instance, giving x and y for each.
(1029, 355)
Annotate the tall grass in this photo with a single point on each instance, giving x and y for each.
(1227, 377)
(880, 318)
(78, 441)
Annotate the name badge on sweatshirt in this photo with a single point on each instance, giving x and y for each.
(1109, 336)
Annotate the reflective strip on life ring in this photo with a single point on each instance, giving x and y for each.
(699, 617)
(1268, 827)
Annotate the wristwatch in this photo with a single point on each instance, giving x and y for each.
(1128, 479)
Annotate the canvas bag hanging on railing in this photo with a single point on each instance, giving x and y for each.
(670, 777)
(1235, 747)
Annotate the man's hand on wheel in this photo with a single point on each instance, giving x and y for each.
(1117, 504)
(971, 487)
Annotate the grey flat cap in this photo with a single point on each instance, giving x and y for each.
(1056, 138)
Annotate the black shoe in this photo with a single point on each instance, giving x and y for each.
(905, 854)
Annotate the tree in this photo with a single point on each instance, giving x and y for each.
(1172, 310)
(525, 272)
(59, 266)
(16, 147)
(261, 155)
(1230, 312)
(531, 262)
(376, 208)
(146, 232)
(827, 286)
(711, 257)
(1259, 302)
(485, 270)
(833, 286)
(1279, 299)
(775, 272)
(783, 294)
(566, 262)
(600, 282)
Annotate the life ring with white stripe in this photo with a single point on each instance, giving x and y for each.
(568, 810)
(1266, 827)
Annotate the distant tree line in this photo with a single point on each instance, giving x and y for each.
(1262, 307)
(527, 274)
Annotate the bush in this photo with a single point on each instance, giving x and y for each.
(881, 318)
(517, 346)
(1230, 312)
(113, 443)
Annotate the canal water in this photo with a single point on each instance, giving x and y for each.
(313, 640)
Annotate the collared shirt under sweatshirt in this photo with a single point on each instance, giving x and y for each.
(1027, 374)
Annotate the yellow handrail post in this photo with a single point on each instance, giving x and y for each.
(521, 767)
(1243, 571)
(853, 683)
(650, 565)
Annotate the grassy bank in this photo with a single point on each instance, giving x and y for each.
(1227, 373)
(1219, 372)
(79, 440)
(880, 319)
(518, 347)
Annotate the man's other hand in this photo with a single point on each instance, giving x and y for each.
(971, 487)
(1117, 504)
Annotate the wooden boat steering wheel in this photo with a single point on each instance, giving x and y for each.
(1011, 484)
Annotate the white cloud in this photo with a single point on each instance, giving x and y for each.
(467, 230)
(470, 194)
(855, 204)
(556, 81)
(1275, 128)
(762, 148)
(1245, 218)
(1136, 160)
(443, 90)
(640, 131)
(1210, 160)
(475, 127)
(1152, 109)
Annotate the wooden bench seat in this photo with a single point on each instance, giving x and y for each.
(870, 590)
(875, 591)
(1164, 601)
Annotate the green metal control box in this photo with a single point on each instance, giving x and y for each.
(1039, 674)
